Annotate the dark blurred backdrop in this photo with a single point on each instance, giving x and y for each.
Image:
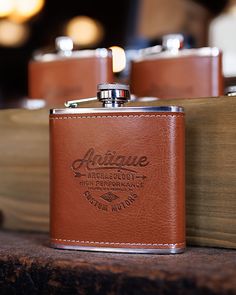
(120, 20)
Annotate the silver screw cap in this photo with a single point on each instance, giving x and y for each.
(64, 45)
(173, 42)
(113, 94)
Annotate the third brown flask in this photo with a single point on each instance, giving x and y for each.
(174, 73)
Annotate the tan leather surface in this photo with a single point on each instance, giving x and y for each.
(131, 198)
(68, 79)
(180, 77)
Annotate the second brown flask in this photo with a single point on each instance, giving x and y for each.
(67, 74)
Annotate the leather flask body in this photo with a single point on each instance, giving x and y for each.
(117, 179)
(68, 78)
(188, 73)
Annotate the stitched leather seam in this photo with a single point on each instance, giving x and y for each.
(113, 243)
(115, 116)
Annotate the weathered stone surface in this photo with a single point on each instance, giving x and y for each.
(29, 266)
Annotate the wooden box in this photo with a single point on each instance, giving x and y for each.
(210, 169)
(24, 173)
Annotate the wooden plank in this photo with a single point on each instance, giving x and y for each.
(24, 177)
(29, 266)
(210, 169)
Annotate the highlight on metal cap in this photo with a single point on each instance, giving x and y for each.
(64, 43)
(113, 86)
(173, 41)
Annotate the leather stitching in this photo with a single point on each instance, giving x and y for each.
(113, 243)
(111, 116)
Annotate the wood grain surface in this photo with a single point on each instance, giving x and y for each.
(29, 266)
(210, 169)
(24, 175)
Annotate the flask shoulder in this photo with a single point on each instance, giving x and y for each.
(160, 109)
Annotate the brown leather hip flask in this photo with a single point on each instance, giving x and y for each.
(65, 76)
(177, 73)
(117, 176)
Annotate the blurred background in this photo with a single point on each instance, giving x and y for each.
(30, 26)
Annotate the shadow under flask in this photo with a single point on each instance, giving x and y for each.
(117, 176)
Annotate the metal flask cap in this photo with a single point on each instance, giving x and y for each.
(173, 42)
(64, 45)
(113, 94)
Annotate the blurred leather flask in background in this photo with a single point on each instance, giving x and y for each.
(176, 72)
(67, 74)
(117, 176)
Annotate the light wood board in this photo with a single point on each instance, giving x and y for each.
(210, 169)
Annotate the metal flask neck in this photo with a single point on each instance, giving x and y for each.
(113, 95)
(173, 42)
(64, 46)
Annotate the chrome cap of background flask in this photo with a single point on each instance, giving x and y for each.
(64, 45)
(173, 42)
